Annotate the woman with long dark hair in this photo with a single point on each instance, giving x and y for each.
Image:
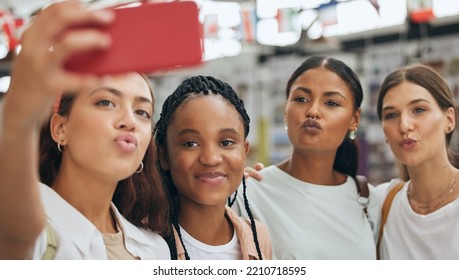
(311, 202)
(86, 187)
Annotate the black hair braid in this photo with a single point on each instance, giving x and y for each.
(231, 200)
(170, 238)
(179, 232)
(193, 86)
(252, 220)
(171, 196)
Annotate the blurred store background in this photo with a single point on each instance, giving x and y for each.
(254, 45)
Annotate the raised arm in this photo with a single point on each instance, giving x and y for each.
(38, 76)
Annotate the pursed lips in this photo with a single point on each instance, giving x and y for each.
(126, 142)
(311, 125)
(407, 143)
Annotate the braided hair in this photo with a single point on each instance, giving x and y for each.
(189, 88)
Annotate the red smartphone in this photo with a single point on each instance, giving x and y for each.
(147, 38)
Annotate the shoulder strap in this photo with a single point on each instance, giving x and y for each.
(385, 213)
(363, 192)
(51, 246)
(362, 186)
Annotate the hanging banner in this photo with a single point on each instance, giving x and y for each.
(327, 14)
(211, 26)
(248, 25)
(420, 11)
(287, 20)
(10, 26)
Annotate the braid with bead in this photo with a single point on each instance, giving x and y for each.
(189, 88)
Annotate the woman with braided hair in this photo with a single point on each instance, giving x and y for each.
(201, 140)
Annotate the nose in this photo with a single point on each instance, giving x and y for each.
(126, 120)
(406, 124)
(313, 112)
(210, 155)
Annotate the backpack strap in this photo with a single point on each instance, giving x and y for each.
(363, 192)
(51, 245)
(385, 213)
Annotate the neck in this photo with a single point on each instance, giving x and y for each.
(207, 224)
(315, 168)
(430, 180)
(90, 197)
(432, 187)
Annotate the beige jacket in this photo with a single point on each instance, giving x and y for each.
(245, 236)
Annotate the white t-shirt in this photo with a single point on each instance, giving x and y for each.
(201, 251)
(308, 221)
(79, 239)
(409, 235)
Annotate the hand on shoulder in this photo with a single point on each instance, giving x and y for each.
(254, 171)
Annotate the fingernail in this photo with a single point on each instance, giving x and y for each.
(106, 14)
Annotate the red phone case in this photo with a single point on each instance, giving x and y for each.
(150, 37)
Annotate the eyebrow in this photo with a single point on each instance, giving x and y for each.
(327, 93)
(118, 93)
(194, 131)
(412, 102)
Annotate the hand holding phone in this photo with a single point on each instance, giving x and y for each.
(147, 38)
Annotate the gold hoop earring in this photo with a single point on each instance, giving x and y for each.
(140, 168)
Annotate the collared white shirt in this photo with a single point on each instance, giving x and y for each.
(78, 238)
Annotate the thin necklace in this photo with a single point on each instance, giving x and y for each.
(425, 207)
